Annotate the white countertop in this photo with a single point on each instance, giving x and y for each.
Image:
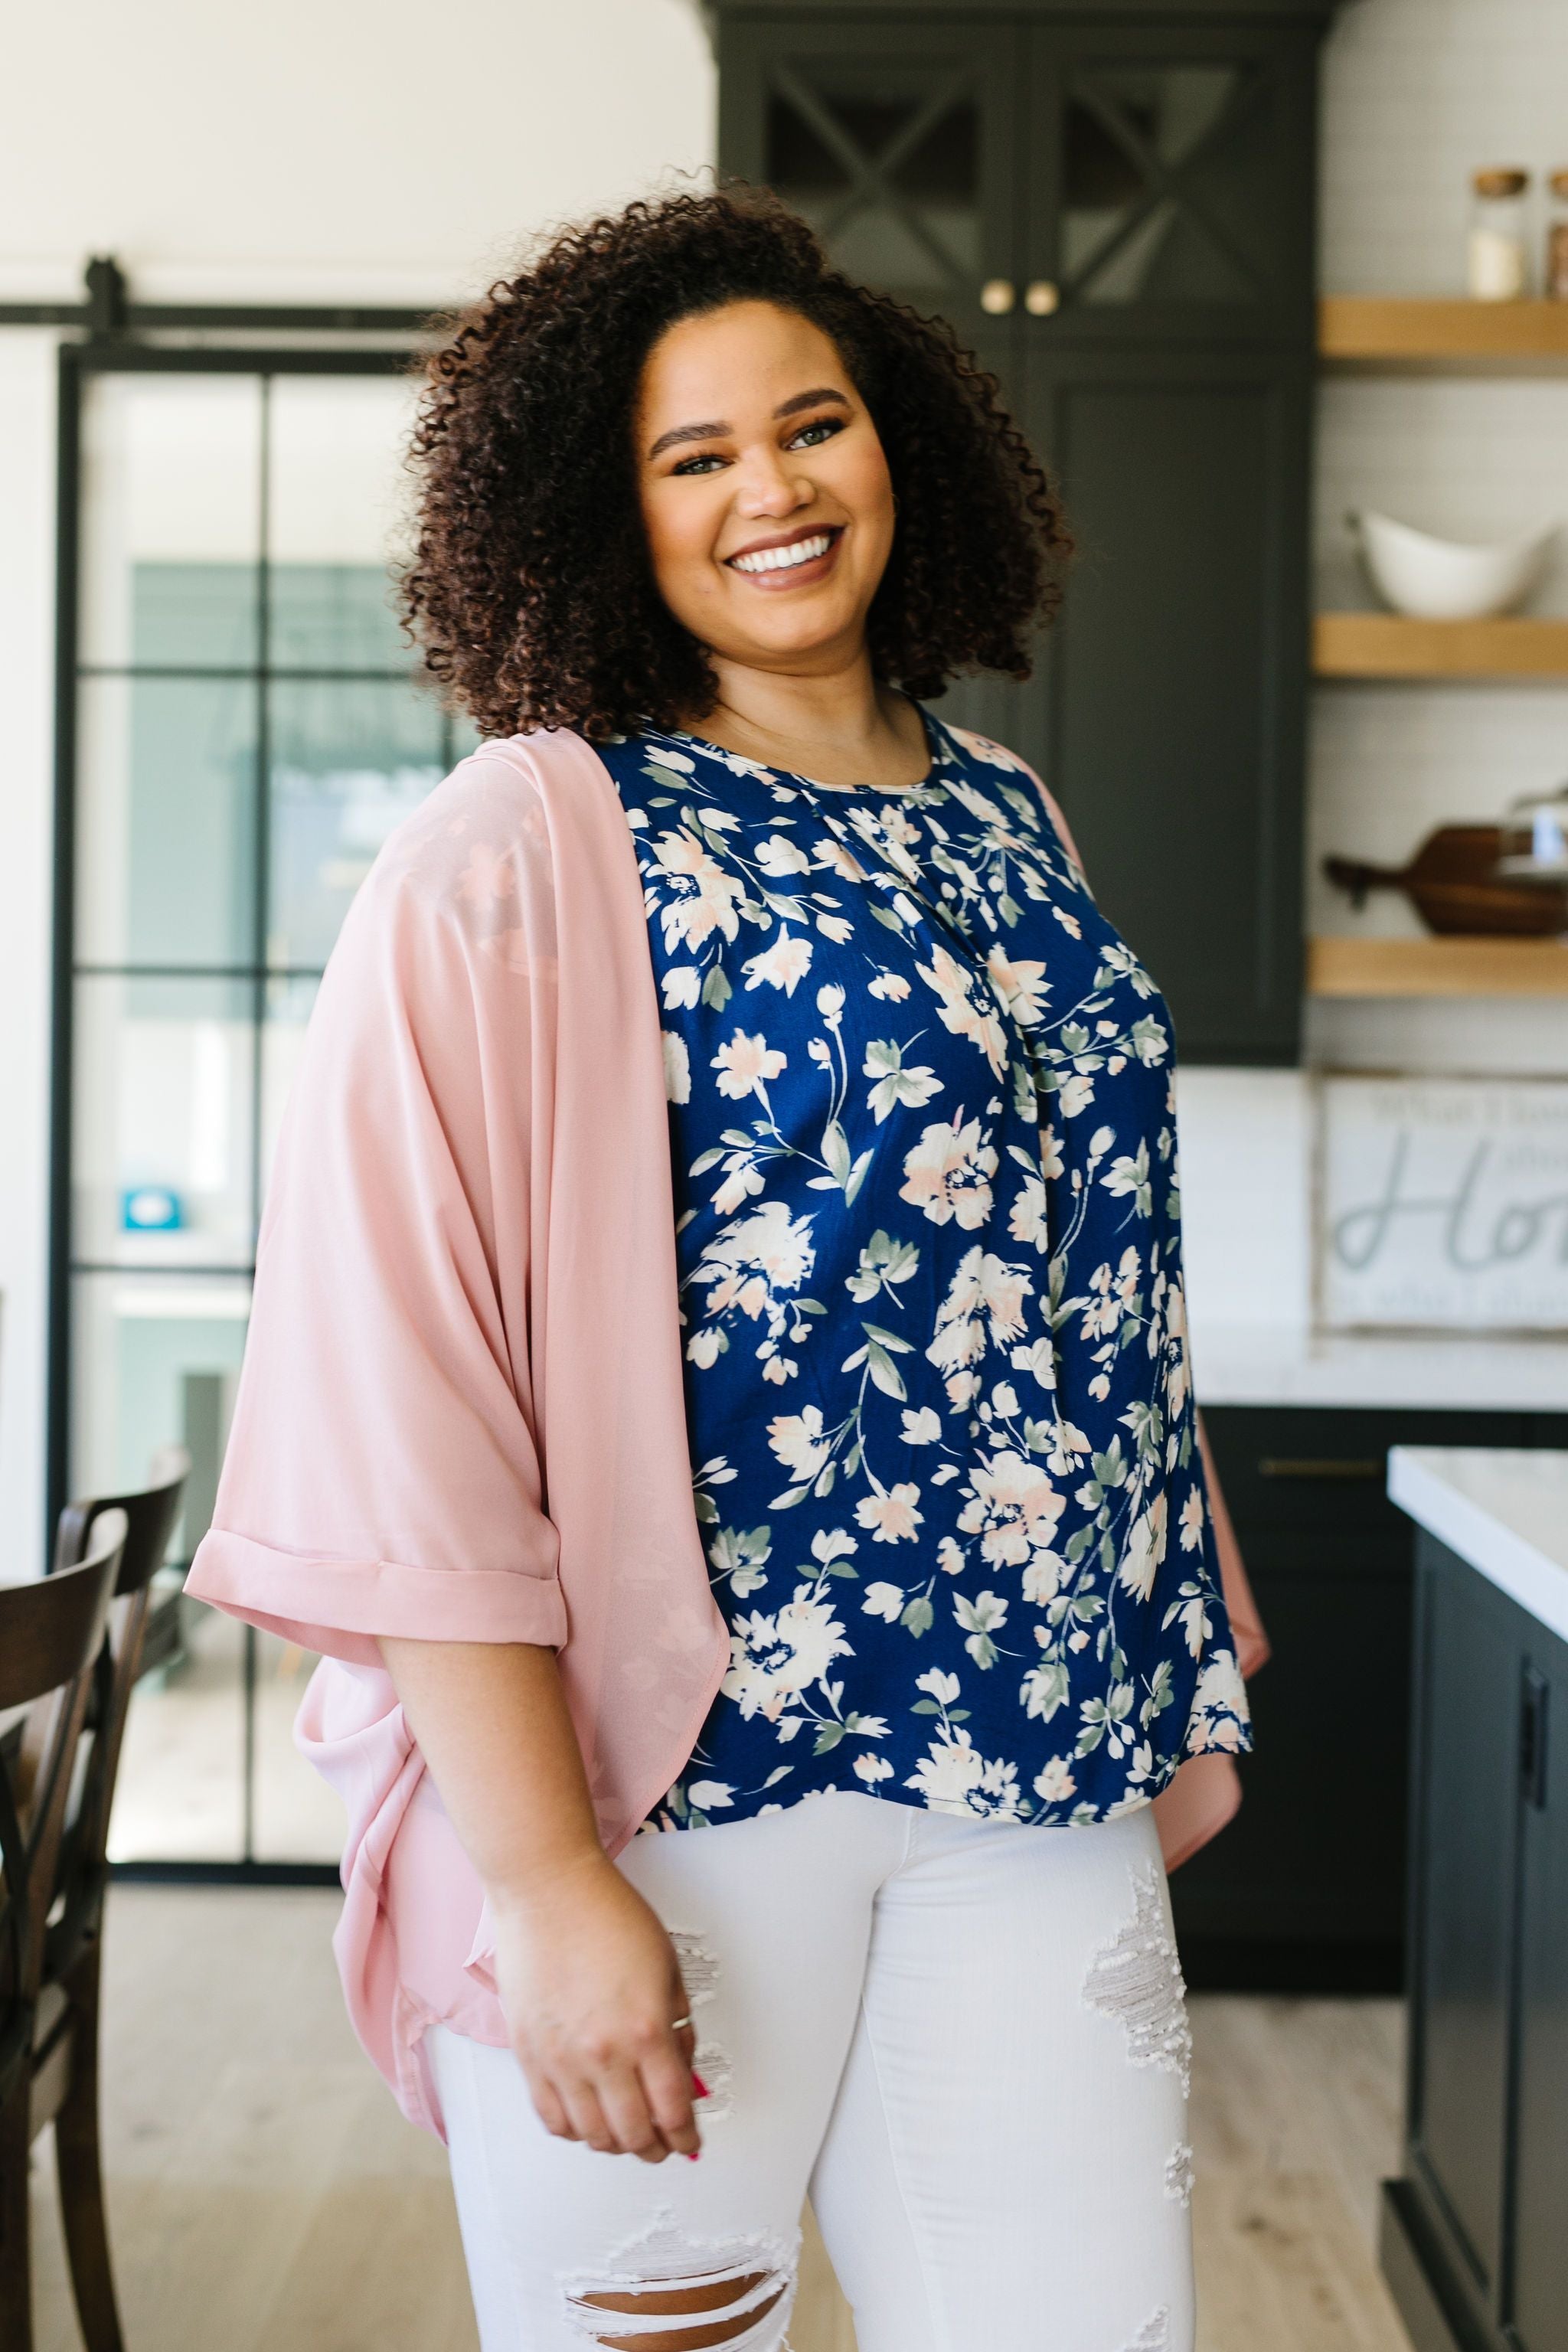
(1289, 1364)
(1505, 1512)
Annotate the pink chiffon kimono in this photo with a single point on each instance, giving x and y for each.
(460, 1416)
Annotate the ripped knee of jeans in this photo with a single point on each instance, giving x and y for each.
(668, 2290)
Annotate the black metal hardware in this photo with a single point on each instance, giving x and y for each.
(107, 311)
(1323, 1471)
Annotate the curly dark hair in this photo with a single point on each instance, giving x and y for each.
(531, 589)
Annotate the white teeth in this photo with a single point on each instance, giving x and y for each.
(780, 558)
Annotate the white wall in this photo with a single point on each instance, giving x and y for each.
(322, 148)
(310, 151)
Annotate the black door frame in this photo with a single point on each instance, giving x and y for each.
(109, 349)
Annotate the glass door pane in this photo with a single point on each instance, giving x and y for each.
(900, 152)
(165, 1119)
(236, 626)
(171, 492)
(1162, 192)
(166, 820)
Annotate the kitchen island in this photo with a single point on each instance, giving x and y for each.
(1474, 2241)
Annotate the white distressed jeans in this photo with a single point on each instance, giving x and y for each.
(967, 2039)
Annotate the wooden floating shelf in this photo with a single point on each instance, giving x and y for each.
(1370, 329)
(1436, 967)
(1386, 644)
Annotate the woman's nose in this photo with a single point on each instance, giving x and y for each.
(769, 488)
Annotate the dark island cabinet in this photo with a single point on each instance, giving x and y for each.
(1305, 1891)
(1475, 2233)
(1115, 208)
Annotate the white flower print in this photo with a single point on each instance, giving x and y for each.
(708, 1795)
(1192, 1521)
(1020, 983)
(958, 1009)
(884, 1601)
(871, 1768)
(680, 985)
(954, 1778)
(677, 1067)
(1012, 1506)
(947, 1174)
(984, 1303)
(921, 1428)
(787, 961)
(1054, 1782)
(705, 897)
(779, 858)
(774, 1658)
(797, 1439)
(1145, 1550)
(753, 1263)
(1219, 1707)
(746, 1065)
(891, 1516)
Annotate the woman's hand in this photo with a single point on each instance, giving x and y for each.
(587, 1976)
(589, 1981)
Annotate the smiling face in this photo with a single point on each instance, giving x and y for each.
(764, 489)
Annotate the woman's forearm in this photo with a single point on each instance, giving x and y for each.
(491, 1720)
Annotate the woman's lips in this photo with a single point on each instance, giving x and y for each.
(788, 566)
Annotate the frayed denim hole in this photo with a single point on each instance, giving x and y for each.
(1137, 1979)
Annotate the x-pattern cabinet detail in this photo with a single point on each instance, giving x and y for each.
(1114, 209)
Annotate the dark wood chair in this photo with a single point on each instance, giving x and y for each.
(65, 2046)
(51, 1636)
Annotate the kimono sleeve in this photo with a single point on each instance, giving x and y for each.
(383, 1474)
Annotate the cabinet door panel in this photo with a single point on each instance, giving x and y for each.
(1316, 1855)
(1467, 1768)
(898, 143)
(1177, 673)
(1172, 196)
(1539, 2299)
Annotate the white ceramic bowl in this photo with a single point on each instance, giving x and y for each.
(1445, 579)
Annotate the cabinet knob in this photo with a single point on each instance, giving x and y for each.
(1042, 296)
(998, 295)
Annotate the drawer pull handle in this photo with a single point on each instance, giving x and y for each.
(1285, 1465)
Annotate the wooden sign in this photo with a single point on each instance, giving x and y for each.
(1442, 1203)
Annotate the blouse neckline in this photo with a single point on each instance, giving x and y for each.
(811, 784)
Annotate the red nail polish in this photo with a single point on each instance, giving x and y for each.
(692, 2154)
(702, 2086)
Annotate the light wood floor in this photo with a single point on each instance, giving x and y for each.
(265, 2196)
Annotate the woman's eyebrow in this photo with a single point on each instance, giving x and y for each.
(678, 432)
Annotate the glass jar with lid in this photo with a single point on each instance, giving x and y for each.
(1557, 286)
(1495, 265)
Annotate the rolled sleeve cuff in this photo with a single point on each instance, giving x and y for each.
(340, 1608)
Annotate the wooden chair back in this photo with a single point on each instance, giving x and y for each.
(51, 1633)
(150, 1515)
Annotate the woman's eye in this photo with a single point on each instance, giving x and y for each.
(820, 428)
(695, 464)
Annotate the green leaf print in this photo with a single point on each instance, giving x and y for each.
(835, 1150)
(717, 992)
(919, 1617)
(884, 1373)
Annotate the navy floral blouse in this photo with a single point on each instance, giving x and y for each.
(942, 1436)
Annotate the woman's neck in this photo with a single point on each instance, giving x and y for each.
(841, 728)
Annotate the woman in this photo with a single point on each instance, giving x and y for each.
(725, 1812)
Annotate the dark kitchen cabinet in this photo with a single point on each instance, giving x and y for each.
(1473, 2239)
(1114, 207)
(1305, 1890)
